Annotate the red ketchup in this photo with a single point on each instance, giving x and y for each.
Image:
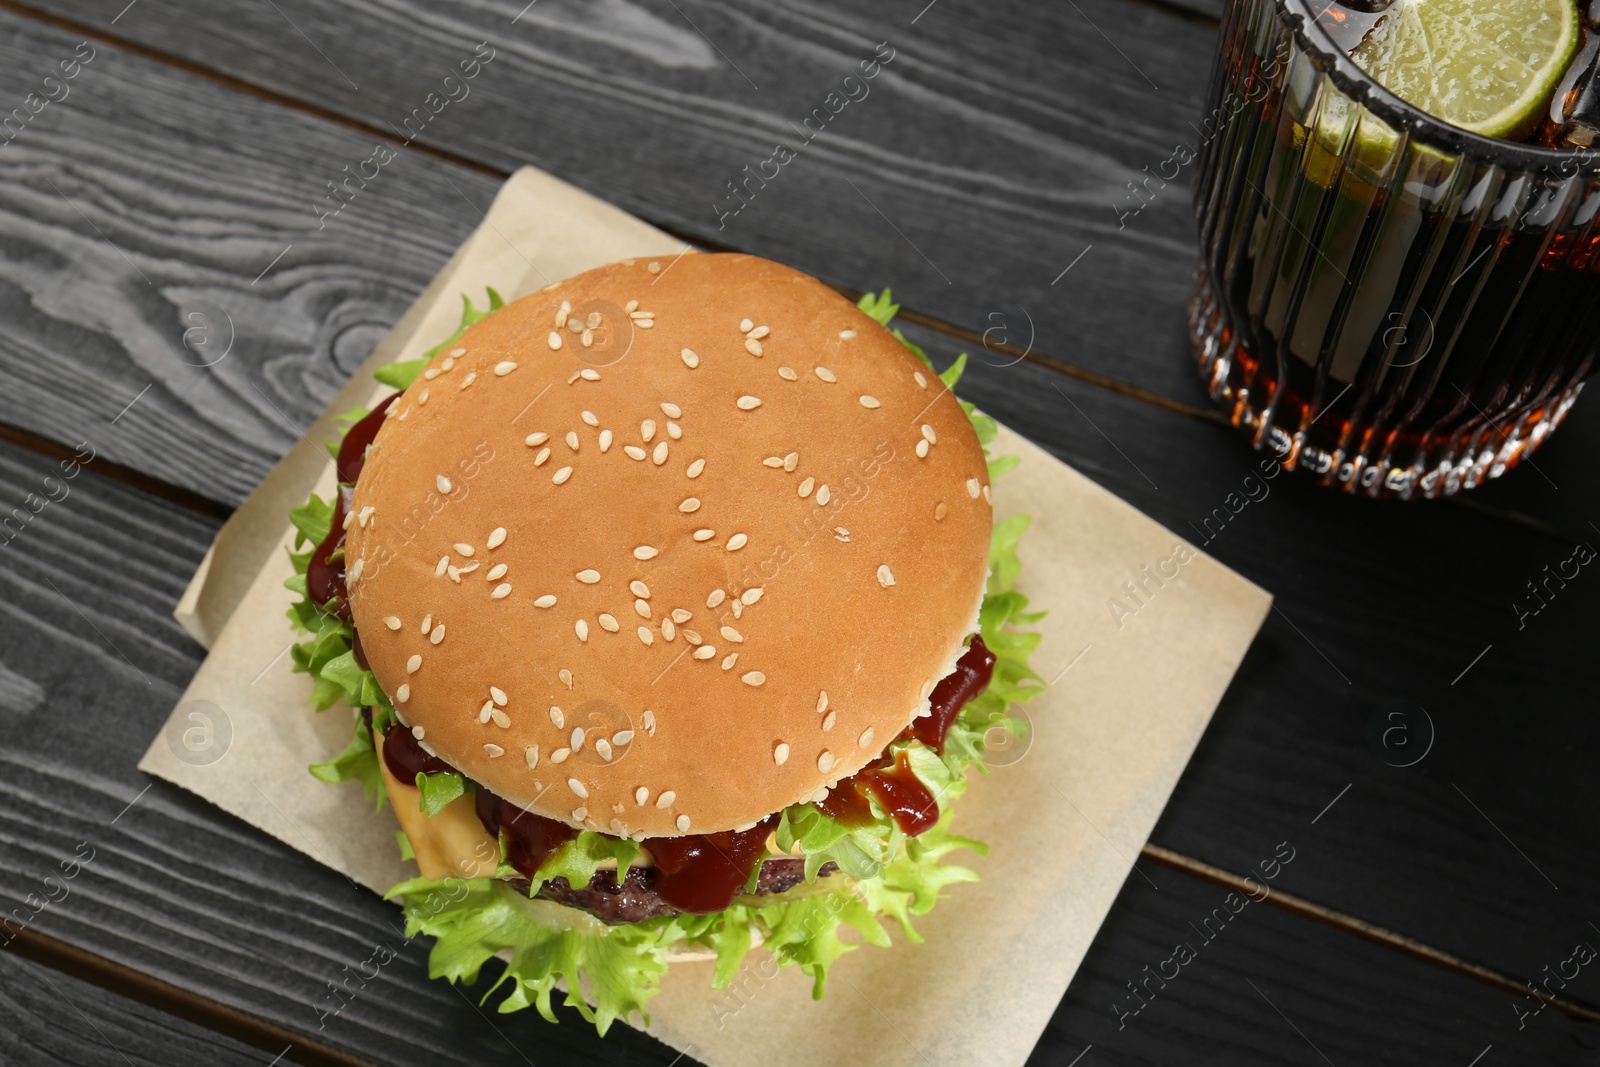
(324, 576)
(529, 839)
(891, 781)
(702, 872)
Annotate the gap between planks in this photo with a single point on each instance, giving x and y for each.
(1349, 924)
(174, 1000)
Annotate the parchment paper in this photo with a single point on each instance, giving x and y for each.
(1131, 692)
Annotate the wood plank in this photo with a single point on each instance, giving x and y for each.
(50, 1018)
(994, 147)
(111, 249)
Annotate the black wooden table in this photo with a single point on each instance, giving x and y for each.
(1440, 903)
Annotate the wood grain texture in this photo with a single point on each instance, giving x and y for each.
(51, 1019)
(140, 215)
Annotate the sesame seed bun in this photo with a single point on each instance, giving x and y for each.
(768, 544)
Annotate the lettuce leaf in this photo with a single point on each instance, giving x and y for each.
(610, 972)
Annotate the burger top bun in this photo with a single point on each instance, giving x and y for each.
(669, 546)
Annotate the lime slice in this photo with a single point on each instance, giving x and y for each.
(1486, 67)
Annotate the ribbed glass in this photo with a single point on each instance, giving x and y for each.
(1396, 306)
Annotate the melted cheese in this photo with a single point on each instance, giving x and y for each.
(453, 842)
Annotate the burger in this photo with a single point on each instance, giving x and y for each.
(673, 614)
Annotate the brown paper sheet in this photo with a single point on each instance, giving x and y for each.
(1130, 696)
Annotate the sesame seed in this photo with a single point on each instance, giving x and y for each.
(566, 310)
(497, 537)
(826, 375)
(454, 573)
(986, 498)
(639, 589)
(865, 740)
(578, 788)
(759, 332)
(572, 440)
(704, 535)
(772, 461)
(554, 340)
(805, 487)
(430, 374)
(501, 719)
(544, 454)
(645, 635)
(842, 532)
(501, 591)
(414, 664)
(822, 702)
(828, 721)
(579, 814)
(605, 440)
(422, 398)
(681, 615)
(668, 629)
(366, 513)
(671, 411)
(427, 623)
(825, 762)
(824, 494)
(644, 324)
(972, 488)
(574, 324)
(653, 267)
(546, 601)
(560, 477)
(683, 823)
(730, 634)
(641, 795)
(589, 374)
(402, 694)
(577, 738)
(922, 449)
(582, 628)
(704, 651)
(560, 755)
(690, 504)
(642, 608)
(471, 377)
(647, 430)
(586, 338)
(494, 751)
(498, 695)
(588, 577)
(391, 622)
(791, 461)
(788, 374)
(752, 346)
(929, 435)
(869, 402)
(594, 320)
(589, 418)
(486, 711)
(602, 747)
(665, 799)
(355, 569)
(622, 738)
(780, 754)
(738, 608)
(745, 325)
(674, 431)
(885, 576)
(845, 335)
(437, 635)
(940, 511)
(696, 467)
(608, 622)
(557, 719)
(649, 720)
(504, 368)
(753, 678)
(659, 456)
(531, 754)
(496, 572)
(690, 358)
(748, 403)
(717, 596)
(565, 676)
(463, 549)
(634, 451)
(444, 485)
(646, 552)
